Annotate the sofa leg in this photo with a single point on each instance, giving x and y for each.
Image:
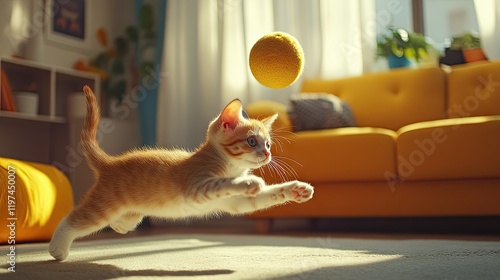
(263, 226)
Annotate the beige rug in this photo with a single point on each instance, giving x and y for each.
(212, 256)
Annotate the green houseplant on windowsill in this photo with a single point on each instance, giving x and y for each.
(470, 45)
(400, 46)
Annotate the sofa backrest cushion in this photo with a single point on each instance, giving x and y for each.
(389, 99)
(474, 90)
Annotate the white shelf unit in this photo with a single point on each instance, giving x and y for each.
(44, 137)
(52, 84)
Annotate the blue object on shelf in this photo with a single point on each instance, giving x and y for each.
(397, 62)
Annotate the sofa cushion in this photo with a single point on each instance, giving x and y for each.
(463, 148)
(342, 154)
(474, 90)
(319, 111)
(389, 99)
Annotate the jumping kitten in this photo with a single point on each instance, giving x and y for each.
(176, 183)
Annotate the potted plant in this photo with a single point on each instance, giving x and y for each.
(125, 63)
(400, 46)
(115, 64)
(470, 46)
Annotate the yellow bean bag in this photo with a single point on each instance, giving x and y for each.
(34, 197)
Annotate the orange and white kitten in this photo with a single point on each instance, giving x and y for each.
(176, 183)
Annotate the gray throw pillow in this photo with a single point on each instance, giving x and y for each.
(319, 111)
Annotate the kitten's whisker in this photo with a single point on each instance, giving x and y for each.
(288, 171)
(291, 174)
(287, 129)
(286, 167)
(287, 139)
(279, 144)
(282, 138)
(283, 173)
(261, 168)
(292, 160)
(277, 171)
(283, 131)
(272, 169)
(279, 140)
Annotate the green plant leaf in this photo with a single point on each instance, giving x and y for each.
(409, 53)
(105, 86)
(118, 67)
(150, 34)
(400, 42)
(146, 17)
(117, 90)
(397, 51)
(101, 60)
(465, 41)
(132, 34)
(121, 45)
(423, 53)
(146, 68)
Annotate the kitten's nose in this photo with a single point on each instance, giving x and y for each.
(267, 153)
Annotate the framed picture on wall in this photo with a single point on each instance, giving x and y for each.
(67, 23)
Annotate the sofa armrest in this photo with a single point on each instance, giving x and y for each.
(43, 196)
(265, 108)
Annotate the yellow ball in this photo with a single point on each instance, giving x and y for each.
(276, 60)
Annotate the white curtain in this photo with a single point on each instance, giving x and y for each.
(207, 42)
(488, 19)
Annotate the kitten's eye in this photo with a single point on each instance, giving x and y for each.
(268, 145)
(252, 141)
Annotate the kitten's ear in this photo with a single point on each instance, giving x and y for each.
(231, 115)
(268, 122)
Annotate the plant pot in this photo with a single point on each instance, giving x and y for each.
(397, 62)
(452, 57)
(472, 55)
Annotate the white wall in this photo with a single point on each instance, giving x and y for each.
(13, 16)
(38, 48)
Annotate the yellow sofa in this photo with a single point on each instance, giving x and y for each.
(427, 143)
(34, 198)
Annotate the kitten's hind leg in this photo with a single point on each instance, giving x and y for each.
(67, 231)
(126, 222)
(87, 218)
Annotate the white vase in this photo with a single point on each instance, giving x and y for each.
(75, 105)
(26, 102)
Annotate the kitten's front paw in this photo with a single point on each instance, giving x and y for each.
(252, 185)
(301, 192)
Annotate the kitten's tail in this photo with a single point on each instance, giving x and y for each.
(96, 157)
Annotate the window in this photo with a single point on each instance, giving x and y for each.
(437, 19)
(446, 18)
